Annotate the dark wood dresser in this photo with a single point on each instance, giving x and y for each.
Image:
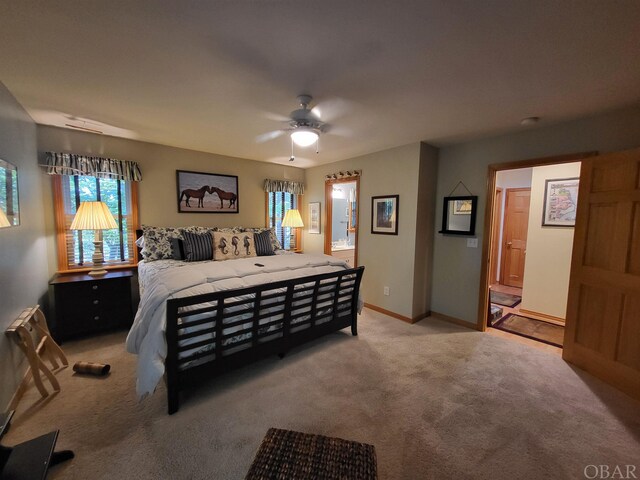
(84, 305)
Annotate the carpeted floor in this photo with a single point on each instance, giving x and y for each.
(437, 401)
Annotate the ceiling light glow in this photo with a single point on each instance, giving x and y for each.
(304, 137)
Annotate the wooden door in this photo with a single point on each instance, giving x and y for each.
(514, 238)
(602, 333)
(495, 237)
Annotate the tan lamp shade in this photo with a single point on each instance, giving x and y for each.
(292, 219)
(4, 221)
(93, 216)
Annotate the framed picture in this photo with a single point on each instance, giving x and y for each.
(200, 192)
(462, 207)
(314, 217)
(560, 202)
(384, 214)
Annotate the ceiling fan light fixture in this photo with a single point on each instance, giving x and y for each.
(304, 137)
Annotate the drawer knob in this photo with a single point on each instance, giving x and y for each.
(95, 302)
(97, 317)
(95, 287)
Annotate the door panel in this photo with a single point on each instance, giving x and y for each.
(516, 224)
(602, 332)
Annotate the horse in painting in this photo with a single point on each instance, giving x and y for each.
(199, 194)
(232, 197)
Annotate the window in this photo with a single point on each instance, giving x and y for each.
(278, 203)
(75, 247)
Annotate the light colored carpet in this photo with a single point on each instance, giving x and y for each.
(437, 401)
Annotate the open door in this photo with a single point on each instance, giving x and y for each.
(602, 333)
(514, 246)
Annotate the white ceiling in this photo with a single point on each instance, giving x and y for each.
(204, 75)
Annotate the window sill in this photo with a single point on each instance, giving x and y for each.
(121, 266)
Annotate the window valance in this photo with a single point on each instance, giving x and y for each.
(72, 164)
(295, 188)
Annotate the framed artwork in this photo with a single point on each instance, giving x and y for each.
(560, 202)
(314, 217)
(462, 207)
(200, 192)
(384, 214)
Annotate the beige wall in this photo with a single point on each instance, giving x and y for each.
(158, 197)
(23, 263)
(548, 260)
(456, 268)
(389, 260)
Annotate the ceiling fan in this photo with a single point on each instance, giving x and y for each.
(304, 124)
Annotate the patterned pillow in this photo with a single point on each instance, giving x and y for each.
(227, 246)
(157, 240)
(263, 243)
(197, 246)
(157, 243)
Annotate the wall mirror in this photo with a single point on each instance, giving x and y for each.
(459, 215)
(9, 211)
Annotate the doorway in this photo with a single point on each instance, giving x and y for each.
(341, 231)
(528, 262)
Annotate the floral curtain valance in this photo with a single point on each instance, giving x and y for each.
(72, 164)
(295, 188)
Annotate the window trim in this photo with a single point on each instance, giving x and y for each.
(61, 233)
(297, 232)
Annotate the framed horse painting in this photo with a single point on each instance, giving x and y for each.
(200, 192)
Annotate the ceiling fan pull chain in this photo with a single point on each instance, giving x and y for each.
(292, 157)
(317, 145)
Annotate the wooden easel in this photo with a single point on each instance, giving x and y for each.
(32, 319)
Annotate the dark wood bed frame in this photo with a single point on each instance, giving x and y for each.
(295, 311)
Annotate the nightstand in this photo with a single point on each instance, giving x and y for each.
(83, 304)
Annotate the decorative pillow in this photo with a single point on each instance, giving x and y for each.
(198, 246)
(157, 240)
(227, 246)
(177, 248)
(157, 243)
(263, 243)
(275, 243)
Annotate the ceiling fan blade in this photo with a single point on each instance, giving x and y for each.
(265, 137)
(331, 109)
(336, 131)
(276, 117)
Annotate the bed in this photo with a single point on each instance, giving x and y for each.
(200, 319)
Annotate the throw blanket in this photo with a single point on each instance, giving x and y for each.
(146, 337)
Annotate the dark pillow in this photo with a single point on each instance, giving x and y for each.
(262, 242)
(197, 246)
(177, 248)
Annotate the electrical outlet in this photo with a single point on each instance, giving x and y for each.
(386, 291)
(472, 242)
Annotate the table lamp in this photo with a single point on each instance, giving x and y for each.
(95, 216)
(292, 220)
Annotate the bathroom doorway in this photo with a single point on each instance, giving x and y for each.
(341, 231)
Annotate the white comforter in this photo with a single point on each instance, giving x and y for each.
(179, 279)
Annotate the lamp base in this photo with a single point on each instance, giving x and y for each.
(98, 257)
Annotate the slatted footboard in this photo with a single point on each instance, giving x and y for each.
(212, 333)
